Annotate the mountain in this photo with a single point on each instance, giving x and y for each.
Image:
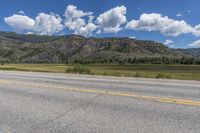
(20, 48)
(193, 51)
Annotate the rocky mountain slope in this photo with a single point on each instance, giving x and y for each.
(17, 48)
(192, 51)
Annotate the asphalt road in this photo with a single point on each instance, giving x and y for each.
(66, 103)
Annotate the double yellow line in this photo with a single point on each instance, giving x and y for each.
(113, 93)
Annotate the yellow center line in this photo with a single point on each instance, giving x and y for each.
(113, 93)
(4, 82)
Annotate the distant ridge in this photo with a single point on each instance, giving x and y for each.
(191, 51)
(20, 48)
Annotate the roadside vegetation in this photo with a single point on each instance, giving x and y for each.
(164, 75)
(187, 72)
(143, 60)
(80, 69)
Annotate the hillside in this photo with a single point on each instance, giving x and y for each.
(17, 48)
(192, 51)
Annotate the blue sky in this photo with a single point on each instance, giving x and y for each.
(173, 22)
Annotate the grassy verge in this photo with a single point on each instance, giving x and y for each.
(187, 72)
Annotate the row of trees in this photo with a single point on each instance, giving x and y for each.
(127, 60)
(140, 60)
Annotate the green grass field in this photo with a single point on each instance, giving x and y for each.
(188, 72)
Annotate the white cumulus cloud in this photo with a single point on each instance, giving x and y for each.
(179, 15)
(163, 24)
(43, 24)
(195, 44)
(72, 12)
(196, 31)
(46, 24)
(75, 21)
(20, 23)
(21, 12)
(168, 42)
(86, 30)
(132, 37)
(111, 20)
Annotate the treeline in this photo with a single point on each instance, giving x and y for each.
(125, 60)
(140, 60)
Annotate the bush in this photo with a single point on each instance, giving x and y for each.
(121, 62)
(69, 70)
(163, 75)
(105, 73)
(138, 74)
(78, 69)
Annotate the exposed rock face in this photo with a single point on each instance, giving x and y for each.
(192, 51)
(18, 48)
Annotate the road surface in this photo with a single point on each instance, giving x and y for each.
(66, 103)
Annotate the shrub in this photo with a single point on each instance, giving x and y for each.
(163, 75)
(138, 74)
(78, 69)
(121, 62)
(69, 70)
(156, 62)
(105, 73)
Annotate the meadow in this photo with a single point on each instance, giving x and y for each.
(186, 72)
